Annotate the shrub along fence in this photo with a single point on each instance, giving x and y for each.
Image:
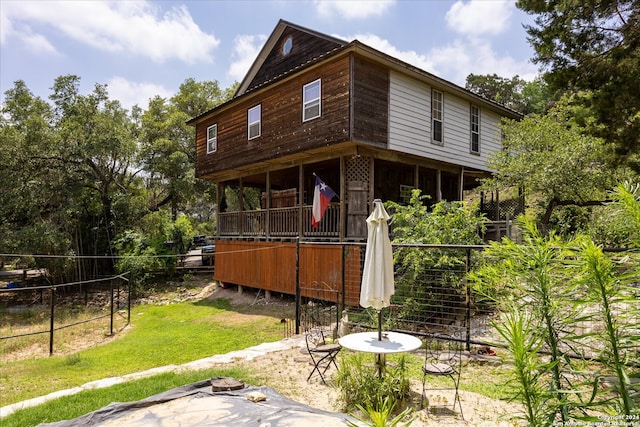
(25, 310)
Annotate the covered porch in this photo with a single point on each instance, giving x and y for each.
(277, 203)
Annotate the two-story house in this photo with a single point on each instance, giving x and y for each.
(369, 125)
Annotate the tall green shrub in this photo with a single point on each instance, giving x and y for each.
(524, 341)
(534, 275)
(611, 303)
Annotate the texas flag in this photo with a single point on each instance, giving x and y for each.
(322, 195)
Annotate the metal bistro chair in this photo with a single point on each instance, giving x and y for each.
(443, 358)
(322, 354)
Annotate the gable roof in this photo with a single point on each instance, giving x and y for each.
(272, 62)
(311, 46)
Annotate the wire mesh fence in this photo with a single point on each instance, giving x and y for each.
(431, 294)
(50, 316)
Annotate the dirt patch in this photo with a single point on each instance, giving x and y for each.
(287, 372)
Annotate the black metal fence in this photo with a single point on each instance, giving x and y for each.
(24, 311)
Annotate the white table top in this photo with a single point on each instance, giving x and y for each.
(392, 342)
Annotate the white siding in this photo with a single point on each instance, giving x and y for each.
(410, 125)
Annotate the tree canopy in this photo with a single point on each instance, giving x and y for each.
(555, 161)
(80, 172)
(515, 93)
(592, 48)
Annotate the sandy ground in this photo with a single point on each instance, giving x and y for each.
(287, 370)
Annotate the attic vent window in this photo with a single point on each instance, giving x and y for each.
(286, 46)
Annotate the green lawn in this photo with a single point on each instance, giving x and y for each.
(158, 336)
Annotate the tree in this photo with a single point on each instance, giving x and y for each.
(515, 93)
(594, 46)
(555, 161)
(33, 195)
(97, 146)
(167, 148)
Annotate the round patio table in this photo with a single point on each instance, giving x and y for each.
(392, 342)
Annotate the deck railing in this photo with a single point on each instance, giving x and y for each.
(283, 222)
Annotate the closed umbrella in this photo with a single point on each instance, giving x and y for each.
(377, 278)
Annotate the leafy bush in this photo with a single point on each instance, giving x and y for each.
(436, 274)
(153, 250)
(358, 383)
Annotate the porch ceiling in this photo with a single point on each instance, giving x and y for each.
(336, 151)
(288, 161)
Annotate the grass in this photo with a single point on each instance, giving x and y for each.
(70, 407)
(159, 335)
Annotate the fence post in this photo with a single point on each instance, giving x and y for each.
(128, 302)
(344, 260)
(51, 322)
(468, 299)
(111, 304)
(297, 285)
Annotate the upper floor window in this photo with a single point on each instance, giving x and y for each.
(436, 116)
(311, 100)
(474, 123)
(254, 118)
(212, 138)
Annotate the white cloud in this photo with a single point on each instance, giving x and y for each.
(409, 56)
(477, 17)
(354, 9)
(459, 59)
(135, 93)
(245, 51)
(137, 27)
(39, 44)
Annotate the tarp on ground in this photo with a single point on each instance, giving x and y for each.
(197, 405)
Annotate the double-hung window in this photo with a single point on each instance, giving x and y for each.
(212, 138)
(254, 118)
(436, 116)
(474, 123)
(311, 100)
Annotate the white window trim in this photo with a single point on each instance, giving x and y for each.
(471, 132)
(212, 141)
(259, 122)
(441, 119)
(311, 103)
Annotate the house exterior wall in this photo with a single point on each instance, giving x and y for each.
(410, 125)
(370, 102)
(282, 130)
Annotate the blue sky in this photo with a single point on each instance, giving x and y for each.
(140, 49)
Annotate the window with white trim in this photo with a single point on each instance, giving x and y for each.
(436, 116)
(253, 121)
(311, 100)
(212, 138)
(474, 123)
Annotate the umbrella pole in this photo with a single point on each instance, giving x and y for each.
(379, 325)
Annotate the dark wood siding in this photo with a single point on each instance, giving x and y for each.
(305, 47)
(283, 131)
(370, 102)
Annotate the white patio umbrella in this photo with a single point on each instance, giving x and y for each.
(377, 278)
